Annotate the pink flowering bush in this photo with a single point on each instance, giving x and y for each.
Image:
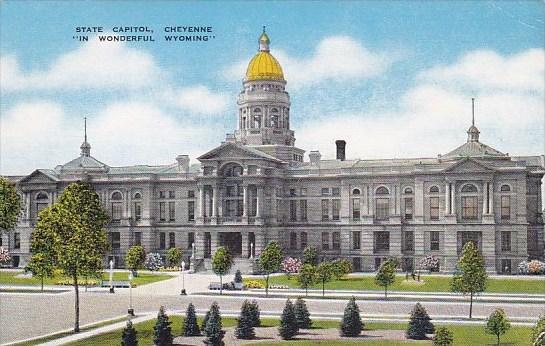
(533, 267)
(291, 265)
(430, 263)
(5, 258)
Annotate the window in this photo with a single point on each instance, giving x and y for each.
(325, 191)
(336, 240)
(162, 194)
(382, 191)
(434, 189)
(505, 241)
(505, 207)
(469, 207)
(382, 241)
(162, 240)
(115, 242)
(434, 241)
(382, 206)
(191, 211)
(355, 209)
(325, 210)
(434, 208)
(304, 240)
(356, 240)
(137, 238)
(469, 188)
(252, 169)
(325, 240)
(293, 240)
(336, 206)
(137, 211)
(171, 211)
(207, 244)
(336, 191)
(190, 194)
(190, 240)
(303, 206)
(116, 211)
(293, 210)
(408, 241)
(408, 208)
(408, 191)
(506, 266)
(42, 202)
(16, 240)
(505, 188)
(162, 211)
(356, 192)
(292, 193)
(171, 194)
(171, 240)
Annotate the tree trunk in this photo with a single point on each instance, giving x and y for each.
(306, 291)
(385, 292)
(76, 305)
(267, 285)
(221, 285)
(498, 339)
(42, 283)
(323, 288)
(471, 305)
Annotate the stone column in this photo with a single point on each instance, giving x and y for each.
(244, 200)
(453, 198)
(201, 201)
(214, 200)
(485, 198)
(491, 198)
(447, 198)
(259, 201)
(245, 249)
(27, 205)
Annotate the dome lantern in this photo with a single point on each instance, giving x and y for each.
(263, 65)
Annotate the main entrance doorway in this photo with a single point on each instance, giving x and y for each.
(232, 241)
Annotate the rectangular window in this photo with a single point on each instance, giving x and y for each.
(469, 208)
(162, 216)
(325, 191)
(16, 240)
(116, 211)
(505, 207)
(336, 206)
(356, 240)
(408, 241)
(191, 211)
(325, 240)
(434, 241)
(137, 211)
(137, 238)
(115, 240)
(303, 207)
(171, 194)
(292, 193)
(162, 240)
(293, 210)
(336, 191)
(293, 240)
(408, 208)
(325, 209)
(190, 239)
(506, 266)
(304, 240)
(336, 240)
(434, 208)
(171, 211)
(207, 244)
(355, 209)
(505, 241)
(162, 194)
(190, 194)
(171, 240)
(382, 206)
(382, 241)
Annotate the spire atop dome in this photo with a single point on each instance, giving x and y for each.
(85, 146)
(473, 131)
(264, 41)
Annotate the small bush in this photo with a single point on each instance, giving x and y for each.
(310, 256)
(288, 323)
(245, 324)
(128, 336)
(351, 324)
(443, 337)
(162, 332)
(533, 267)
(191, 327)
(429, 263)
(153, 261)
(302, 315)
(291, 266)
(213, 330)
(255, 313)
(419, 323)
(238, 277)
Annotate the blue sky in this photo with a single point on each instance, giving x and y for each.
(394, 78)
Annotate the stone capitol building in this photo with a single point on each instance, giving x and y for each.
(257, 187)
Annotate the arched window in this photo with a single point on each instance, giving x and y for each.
(434, 189)
(469, 188)
(274, 117)
(382, 203)
(42, 201)
(232, 170)
(356, 192)
(117, 196)
(382, 191)
(408, 191)
(42, 196)
(470, 203)
(137, 195)
(505, 188)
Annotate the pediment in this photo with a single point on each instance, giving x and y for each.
(468, 165)
(234, 151)
(39, 177)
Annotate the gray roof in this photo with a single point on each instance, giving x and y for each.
(474, 149)
(83, 163)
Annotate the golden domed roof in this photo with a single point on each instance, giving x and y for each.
(263, 65)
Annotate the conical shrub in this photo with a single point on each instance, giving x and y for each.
(419, 323)
(288, 323)
(191, 327)
(351, 324)
(245, 325)
(302, 315)
(213, 330)
(128, 336)
(162, 335)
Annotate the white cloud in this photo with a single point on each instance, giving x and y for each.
(93, 65)
(336, 58)
(198, 99)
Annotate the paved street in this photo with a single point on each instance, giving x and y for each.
(54, 312)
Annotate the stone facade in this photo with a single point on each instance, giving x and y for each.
(256, 187)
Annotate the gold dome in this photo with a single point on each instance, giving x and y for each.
(264, 66)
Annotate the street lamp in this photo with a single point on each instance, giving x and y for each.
(251, 250)
(131, 310)
(183, 293)
(112, 276)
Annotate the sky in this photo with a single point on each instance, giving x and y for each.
(394, 79)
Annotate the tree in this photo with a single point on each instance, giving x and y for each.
(539, 329)
(302, 315)
(11, 207)
(269, 261)
(341, 267)
(214, 333)
(134, 259)
(310, 256)
(324, 273)
(351, 324)
(419, 323)
(41, 266)
(443, 337)
(245, 325)
(128, 336)
(254, 312)
(288, 323)
(72, 232)
(191, 327)
(238, 277)
(174, 256)
(470, 276)
(307, 277)
(386, 275)
(221, 264)
(205, 320)
(497, 324)
(162, 332)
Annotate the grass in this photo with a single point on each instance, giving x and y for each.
(463, 335)
(431, 284)
(10, 278)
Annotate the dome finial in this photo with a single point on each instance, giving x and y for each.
(264, 41)
(85, 146)
(473, 131)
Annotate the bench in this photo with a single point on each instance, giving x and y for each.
(214, 286)
(115, 283)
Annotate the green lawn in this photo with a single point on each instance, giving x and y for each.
(431, 284)
(10, 278)
(463, 335)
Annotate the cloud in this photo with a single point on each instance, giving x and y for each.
(95, 64)
(432, 116)
(336, 58)
(198, 99)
